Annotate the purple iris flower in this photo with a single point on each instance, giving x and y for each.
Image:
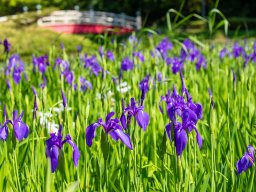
(54, 146)
(79, 48)
(237, 50)
(246, 161)
(188, 44)
(92, 63)
(4, 113)
(137, 112)
(34, 91)
(41, 63)
(62, 46)
(7, 46)
(193, 54)
(4, 128)
(110, 56)
(61, 63)
(223, 53)
(201, 62)
(189, 113)
(180, 136)
(177, 65)
(19, 127)
(85, 84)
(15, 64)
(144, 87)
(174, 103)
(168, 60)
(42, 85)
(64, 99)
(253, 57)
(133, 40)
(144, 84)
(183, 54)
(8, 84)
(155, 53)
(16, 75)
(112, 127)
(159, 76)
(127, 64)
(4, 131)
(139, 55)
(69, 77)
(164, 46)
(101, 52)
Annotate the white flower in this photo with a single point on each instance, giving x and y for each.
(52, 127)
(123, 87)
(60, 109)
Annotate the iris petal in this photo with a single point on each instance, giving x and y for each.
(118, 133)
(108, 117)
(123, 121)
(180, 140)
(142, 119)
(90, 133)
(21, 130)
(76, 152)
(4, 132)
(168, 130)
(54, 154)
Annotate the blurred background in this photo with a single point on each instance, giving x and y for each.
(19, 20)
(152, 11)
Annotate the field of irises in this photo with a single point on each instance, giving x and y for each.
(150, 113)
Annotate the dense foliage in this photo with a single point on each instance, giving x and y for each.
(179, 117)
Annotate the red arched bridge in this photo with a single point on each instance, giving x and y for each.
(72, 21)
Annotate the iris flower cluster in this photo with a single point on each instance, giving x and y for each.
(163, 47)
(127, 64)
(238, 51)
(189, 52)
(109, 54)
(189, 112)
(177, 64)
(192, 54)
(41, 63)
(62, 64)
(139, 55)
(92, 64)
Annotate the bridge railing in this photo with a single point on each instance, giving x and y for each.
(91, 17)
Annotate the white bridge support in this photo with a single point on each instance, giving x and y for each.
(91, 17)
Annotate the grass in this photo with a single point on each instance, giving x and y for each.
(152, 165)
(30, 39)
